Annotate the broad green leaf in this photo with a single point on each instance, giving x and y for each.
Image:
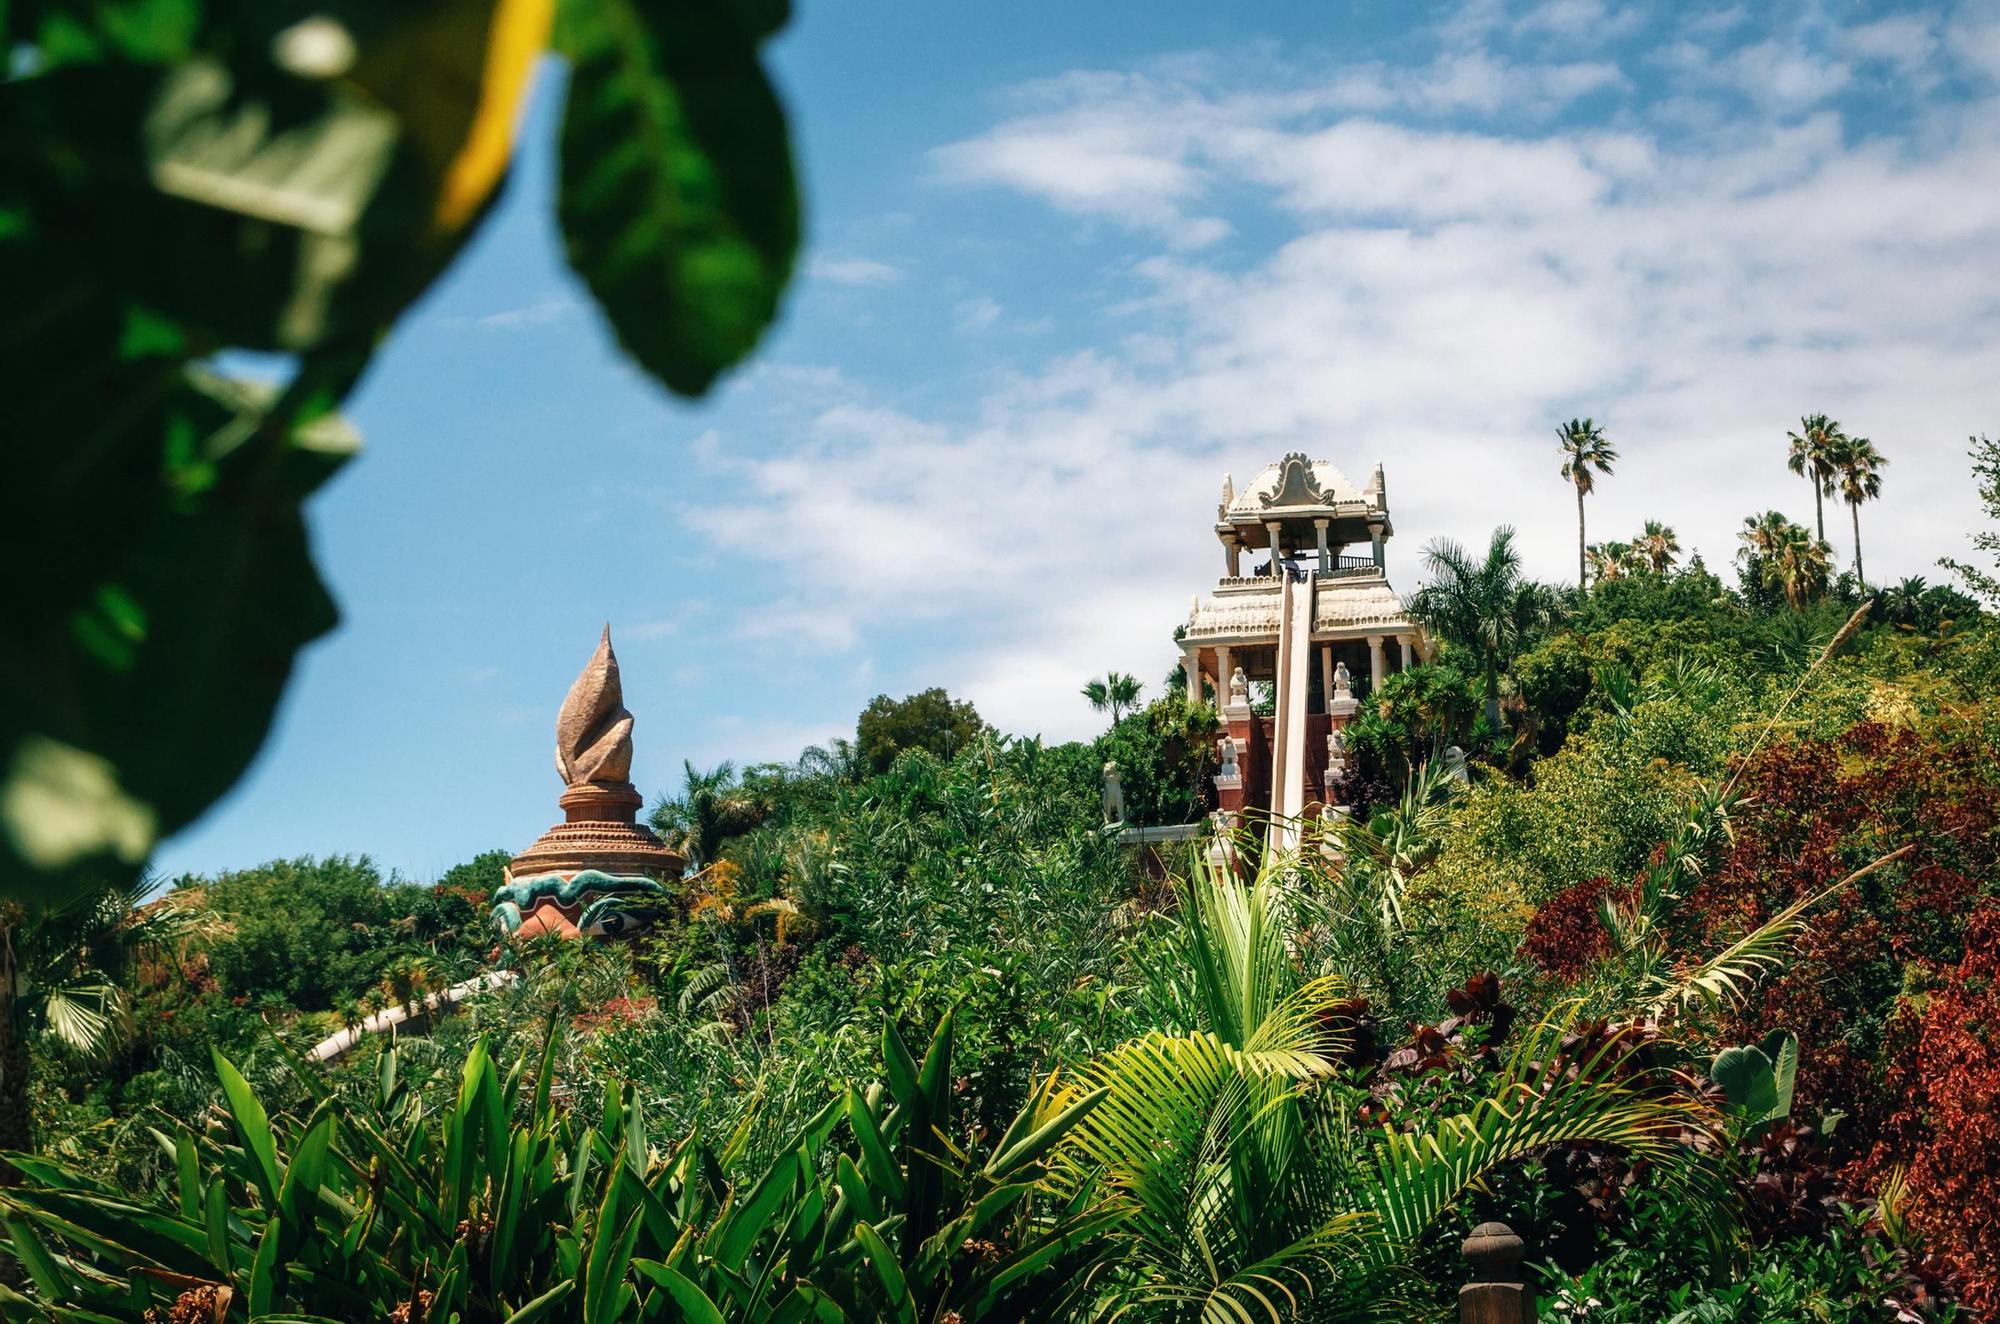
(678, 203)
(253, 1126)
(897, 1302)
(264, 1270)
(695, 1305)
(1018, 1154)
(1748, 1079)
(543, 1306)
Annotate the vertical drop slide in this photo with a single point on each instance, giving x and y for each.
(1288, 755)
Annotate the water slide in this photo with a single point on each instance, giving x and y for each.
(1288, 755)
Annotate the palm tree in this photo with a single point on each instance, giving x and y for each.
(60, 979)
(1786, 558)
(1116, 693)
(1813, 449)
(1903, 603)
(1584, 449)
(1481, 606)
(711, 808)
(1657, 545)
(1761, 535)
(1858, 477)
(1610, 560)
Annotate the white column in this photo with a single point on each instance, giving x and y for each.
(1375, 663)
(1403, 641)
(1326, 676)
(1325, 565)
(1276, 539)
(1375, 538)
(1222, 675)
(1191, 663)
(1232, 552)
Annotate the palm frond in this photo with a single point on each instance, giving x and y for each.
(1538, 1100)
(85, 1014)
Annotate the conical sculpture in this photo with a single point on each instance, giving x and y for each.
(599, 870)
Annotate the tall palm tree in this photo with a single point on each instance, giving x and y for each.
(1115, 693)
(1813, 448)
(1481, 606)
(60, 979)
(1658, 545)
(1858, 477)
(1585, 454)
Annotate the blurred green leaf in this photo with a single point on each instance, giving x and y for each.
(678, 203)
(123, 717)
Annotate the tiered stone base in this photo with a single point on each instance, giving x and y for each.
(588, 875)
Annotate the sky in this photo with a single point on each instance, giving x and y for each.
(1068, 264)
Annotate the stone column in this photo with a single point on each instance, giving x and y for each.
(1326, 676)
(1375, 663)
(1191, 663)
(1325, 564)
(1403, 641)
(1375, 537)
(1222, 675)
(1277, 539)
(1232, 551)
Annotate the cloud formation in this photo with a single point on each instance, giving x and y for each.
(1695, 234)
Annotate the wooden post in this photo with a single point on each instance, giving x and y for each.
(1496, 1294)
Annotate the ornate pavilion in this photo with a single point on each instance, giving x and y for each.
(1314, 617)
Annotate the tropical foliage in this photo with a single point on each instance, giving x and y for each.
(185, 179)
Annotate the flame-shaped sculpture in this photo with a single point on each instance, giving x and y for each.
(588, 873)
(594, 731)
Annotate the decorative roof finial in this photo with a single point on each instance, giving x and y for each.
(593, 730)
(1228, 495)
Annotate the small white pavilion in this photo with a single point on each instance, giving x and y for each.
(1303, 516)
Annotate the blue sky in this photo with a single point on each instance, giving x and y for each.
(1067, 265)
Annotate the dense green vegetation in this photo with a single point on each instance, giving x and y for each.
(1683, 964)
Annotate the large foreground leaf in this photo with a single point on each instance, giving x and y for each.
(678, 203)
(146, 656)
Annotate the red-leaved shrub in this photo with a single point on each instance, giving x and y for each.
(1951, 1084)
(1567, 934)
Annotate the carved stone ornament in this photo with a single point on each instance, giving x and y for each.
(1297, 486)
(1225, 753)
(1343, 681)
(1239, 689)
(593, 730)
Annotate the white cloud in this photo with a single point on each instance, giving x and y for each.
(1439, 298)
(853, 271)
(539, 313)
(1905, 41)
(977, 314)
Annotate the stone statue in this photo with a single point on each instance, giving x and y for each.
(1225, 753)
(593, 730)
(1114, 795)
(1343, 681)
(1336, 744)
(1239, 689)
